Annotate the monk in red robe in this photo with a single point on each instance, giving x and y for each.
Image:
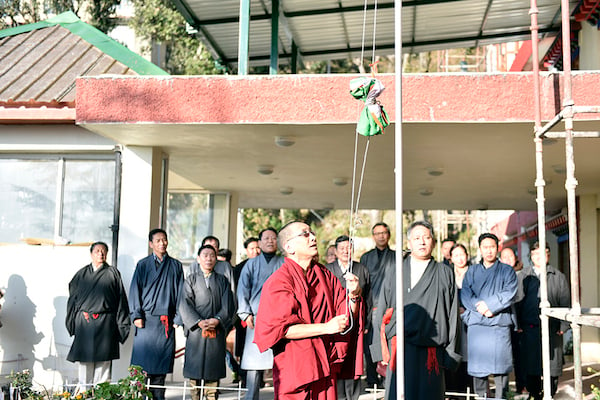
(310, 321)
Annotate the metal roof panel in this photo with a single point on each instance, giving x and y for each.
(40, 62)
(325, 29)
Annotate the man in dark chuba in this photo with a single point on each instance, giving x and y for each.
(98, 317)
(154, 296)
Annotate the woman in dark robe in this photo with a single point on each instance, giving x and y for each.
(459, 381)
(207, 310)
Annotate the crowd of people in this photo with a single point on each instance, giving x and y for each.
(320, 327)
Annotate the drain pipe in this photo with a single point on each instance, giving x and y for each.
(116, 206)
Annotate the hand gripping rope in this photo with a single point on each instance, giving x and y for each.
(372, 121)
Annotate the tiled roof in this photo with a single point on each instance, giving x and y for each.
(40, 62)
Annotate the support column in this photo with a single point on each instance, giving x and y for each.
(589, 223)
(244, 37)
(294, 60)
(274, 37)
(589, 43)
(234, 203)
(140, 211)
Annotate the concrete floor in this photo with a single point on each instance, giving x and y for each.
(232, 391)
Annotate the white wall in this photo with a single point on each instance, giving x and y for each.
(589, 42)
(589, 222)
(24, 138)
(35, 279)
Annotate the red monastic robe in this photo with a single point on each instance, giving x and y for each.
(307, 368)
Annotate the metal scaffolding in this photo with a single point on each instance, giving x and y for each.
(575, 315)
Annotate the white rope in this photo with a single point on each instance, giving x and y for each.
(374, 30)
(353, 206)
(362, 46)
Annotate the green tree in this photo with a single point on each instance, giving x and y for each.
(257, 219)
(158, 21)
(98, 13)
(18, 12)
(327, 224)
(102, 14)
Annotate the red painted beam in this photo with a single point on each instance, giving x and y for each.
(522, 57)
(318, 99)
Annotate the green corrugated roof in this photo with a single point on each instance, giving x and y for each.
(95, 37)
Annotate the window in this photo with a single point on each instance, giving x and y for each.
(193, 215)
(70, 197)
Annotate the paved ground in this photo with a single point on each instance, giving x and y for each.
(565, 389)
(233, 391)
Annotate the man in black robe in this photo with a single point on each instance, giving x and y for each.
(377, 262)
(207, 310)
(446, 246)
(528, 315)
(349, 388)
(153, 300)
(431, 320)
(98, 317)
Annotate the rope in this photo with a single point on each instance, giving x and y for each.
(353, 207)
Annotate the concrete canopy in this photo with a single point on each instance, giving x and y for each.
(476, 129)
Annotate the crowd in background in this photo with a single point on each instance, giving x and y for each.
(463, 322)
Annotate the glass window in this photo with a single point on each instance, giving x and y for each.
(88, 201)
(28, 192)
(190, 217)
(29, 189)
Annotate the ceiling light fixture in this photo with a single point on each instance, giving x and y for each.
(265, 169)
(286, 190)
(435, 171)
(426, 191)
(340, 181)
(285, 141)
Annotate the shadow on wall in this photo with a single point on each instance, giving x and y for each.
(56, 361)
(17, 319)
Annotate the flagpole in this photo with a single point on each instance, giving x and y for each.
(398, 200)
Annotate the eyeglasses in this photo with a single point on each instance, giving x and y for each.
(384, 233)
(305, 234)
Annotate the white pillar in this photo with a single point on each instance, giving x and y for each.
(232, 229)
(589, 222)
(140, 211)
(589, 43)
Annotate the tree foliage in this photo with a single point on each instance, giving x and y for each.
(18, 12)
(98, 13)
(327, 224)
(158, 21)
(102, 13)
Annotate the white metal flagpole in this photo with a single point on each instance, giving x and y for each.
(398, 200)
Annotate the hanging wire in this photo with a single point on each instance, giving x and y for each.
(374, 30)
(354, 207)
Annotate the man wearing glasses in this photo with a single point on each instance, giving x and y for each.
(307, 318)
(377, 261)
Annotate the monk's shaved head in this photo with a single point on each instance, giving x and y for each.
(286, 234)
